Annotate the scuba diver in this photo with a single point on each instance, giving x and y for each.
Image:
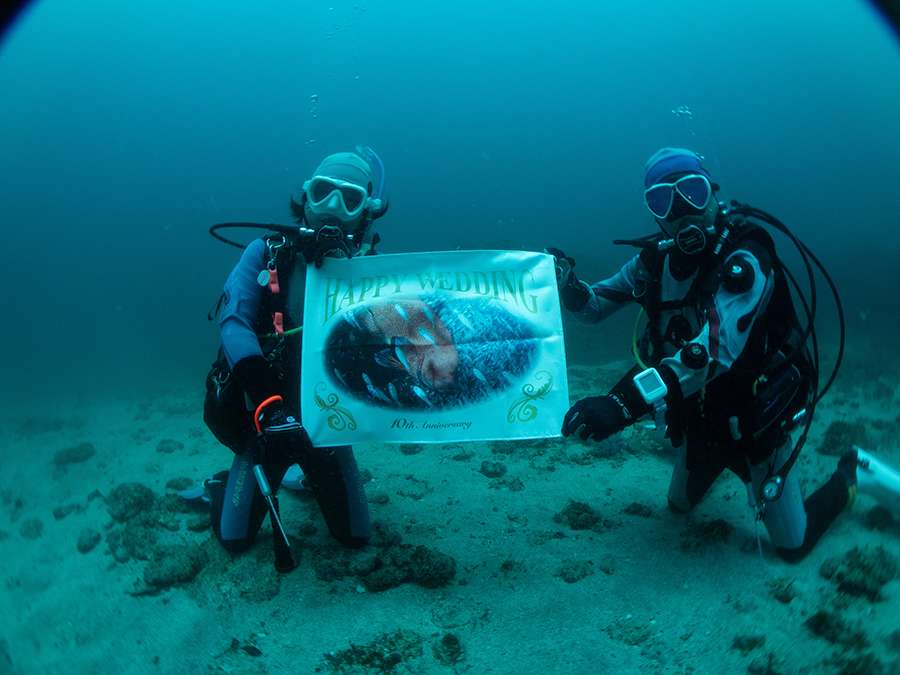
(253, 390)
(723, 363)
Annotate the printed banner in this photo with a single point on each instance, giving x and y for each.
(433, 348)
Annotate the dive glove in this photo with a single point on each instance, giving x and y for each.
(280, 437)
(596, 418)
(273, 418)
(256, 377)
(575, 294)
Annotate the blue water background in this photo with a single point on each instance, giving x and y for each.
(128, 128)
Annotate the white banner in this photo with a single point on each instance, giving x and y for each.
(433, 348)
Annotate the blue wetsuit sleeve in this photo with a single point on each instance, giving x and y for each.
(243, 296)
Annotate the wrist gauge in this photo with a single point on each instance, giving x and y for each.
(650, 385)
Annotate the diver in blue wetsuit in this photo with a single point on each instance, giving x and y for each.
(723, 363)
(260, 359)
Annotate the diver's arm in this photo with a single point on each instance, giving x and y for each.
(243, 296)
(608, 296)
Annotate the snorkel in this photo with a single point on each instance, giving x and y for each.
(379, 205)
(369, 155)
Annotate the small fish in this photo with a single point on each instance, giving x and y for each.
(394, 357)
(418, 391)
(350, 317)
(478, 374)
(415, 341)
(338, 375)
(427, 336)
(392, 390)
(398, 344)
(374, 391)
(387, 359)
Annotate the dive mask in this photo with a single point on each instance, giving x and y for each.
(335, 196)
(693, 188)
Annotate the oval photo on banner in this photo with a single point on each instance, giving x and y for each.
(419, 352)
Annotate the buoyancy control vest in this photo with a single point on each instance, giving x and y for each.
(753, 405)
(225, 410)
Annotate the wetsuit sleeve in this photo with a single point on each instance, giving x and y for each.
(738, 304)
(243, 295)
(610, 295)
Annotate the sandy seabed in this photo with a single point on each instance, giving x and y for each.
(637, 590)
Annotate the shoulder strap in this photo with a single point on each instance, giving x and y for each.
(282, 254)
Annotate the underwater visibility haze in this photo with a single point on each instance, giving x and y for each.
(129, 128)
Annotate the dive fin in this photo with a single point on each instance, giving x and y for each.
(878, 480)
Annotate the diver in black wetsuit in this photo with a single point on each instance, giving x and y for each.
(723, 362)
(260, 360)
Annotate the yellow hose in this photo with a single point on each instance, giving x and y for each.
(634, 340)
(287, 333)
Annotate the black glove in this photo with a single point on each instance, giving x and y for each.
(281, 437)
(596, 418)
(564, 265)
(575, 295)
(274, 418)
(257, 378)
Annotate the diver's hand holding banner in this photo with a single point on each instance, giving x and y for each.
(433, 348)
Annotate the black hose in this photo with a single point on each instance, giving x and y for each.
(272, 227)
(807, 255)
(810, 332)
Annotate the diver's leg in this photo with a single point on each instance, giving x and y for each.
(237, 506)
(858, 471)
(696, 468)
(785, 518)
(334, 479)
(794, 526)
